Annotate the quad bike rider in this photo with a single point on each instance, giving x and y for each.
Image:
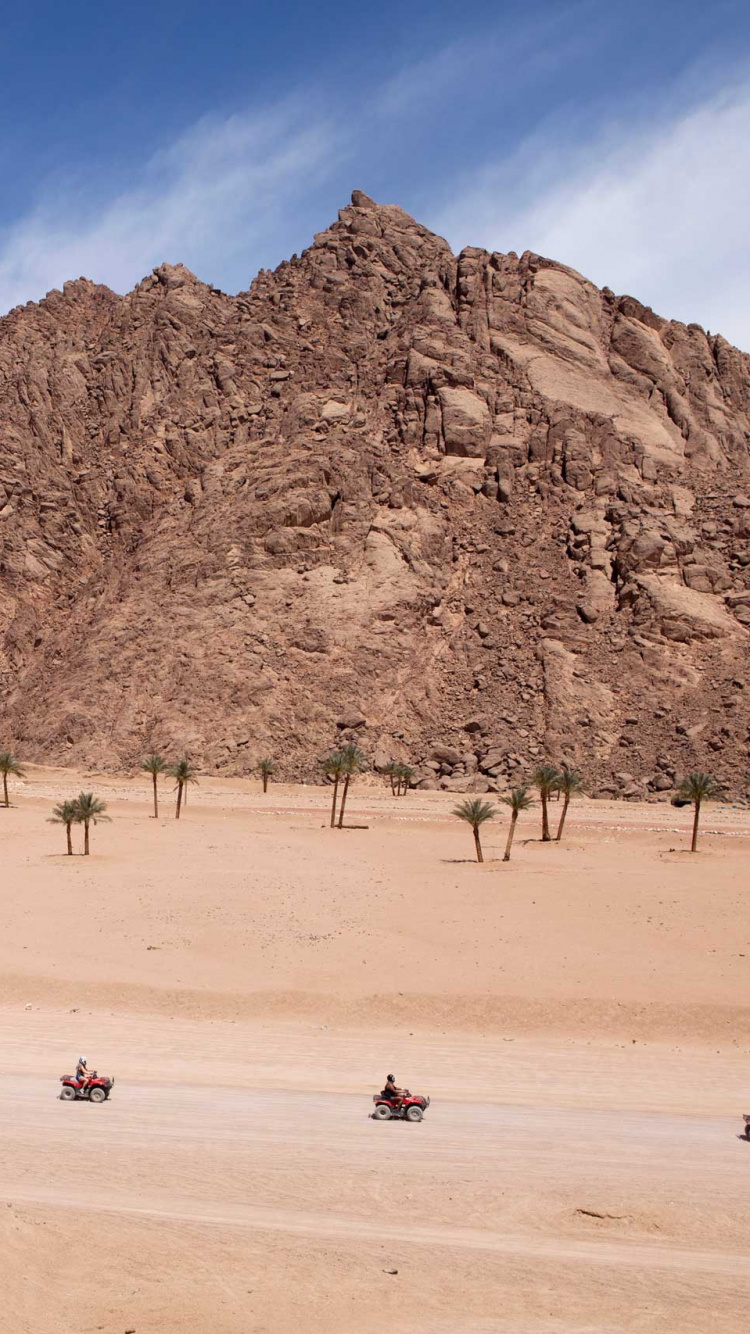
(392, 1092)
(396, 1104)
(85, 1085)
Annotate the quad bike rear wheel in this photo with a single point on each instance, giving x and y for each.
(414, 1113)
(381, 1113)
(97, 1095)
(67, 1093)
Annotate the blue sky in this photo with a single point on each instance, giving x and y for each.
(614, 137)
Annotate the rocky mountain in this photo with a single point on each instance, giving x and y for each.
(470, 509)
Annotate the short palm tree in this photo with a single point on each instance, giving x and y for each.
(571, 783)
(547, 779)
(183, 773)
(9, 765)
(89, 810)
(476, 813)
(405, 776)
(518, 800)
(354, 762)
(333, 767)
(697, 788)
(391, 773)
(65, 813)
(266, 768)
(155, 765)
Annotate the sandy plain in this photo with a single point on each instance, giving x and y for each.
(579, 1018)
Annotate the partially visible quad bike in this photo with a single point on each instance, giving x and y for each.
(97, 1089)
(746, 1119)
(412, 1108)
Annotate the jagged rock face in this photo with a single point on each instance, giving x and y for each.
(472, 504)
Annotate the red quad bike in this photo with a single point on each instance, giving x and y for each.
(97, 1089)
(413, 1107)
(746, 1119)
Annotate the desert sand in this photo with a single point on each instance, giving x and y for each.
(579, 1018)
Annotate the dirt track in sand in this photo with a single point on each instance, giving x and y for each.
(236, 1182)
(186, 1203)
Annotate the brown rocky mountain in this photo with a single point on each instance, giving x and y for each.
(471, 507)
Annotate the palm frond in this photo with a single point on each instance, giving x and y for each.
(154, 764)
(66, 812)
(354, 759)
(88, 807)
(547, 778)
(518, 799)
(474, 812)
(699, 786)
(10, 765)
(183, 771)
(333, 764)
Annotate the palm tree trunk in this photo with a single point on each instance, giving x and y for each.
(545, 818)
(696, 818)
(511, 832)
(265, 783)
(563, 813)
(5, 787)
(179, 801)
(343, 801)
(156, 799)
(335, 798)
(85, 838)
(70, 841)
(478, 845)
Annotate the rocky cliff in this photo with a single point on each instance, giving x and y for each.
(468, 508)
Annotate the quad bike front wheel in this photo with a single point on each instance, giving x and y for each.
(414, 1113)
(67, 1093)
(381, 1113)
(97, 1095)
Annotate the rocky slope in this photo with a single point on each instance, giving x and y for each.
(471, 509)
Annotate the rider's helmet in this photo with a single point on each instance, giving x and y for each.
(391, 1077)
(81, 1060)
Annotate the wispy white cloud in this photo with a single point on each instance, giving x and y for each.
(660, 210)
(207, 197)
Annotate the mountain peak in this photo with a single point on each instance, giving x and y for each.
(484, 509)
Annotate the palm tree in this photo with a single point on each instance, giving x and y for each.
(547, 778)
(266, 768)
(475, 813)
(391, 773)
(89, 810)
(9, 765)
(570, 783)
(183, 772)
(354, 763)
(697, 788)
(406, 773)
(518, 800)
(333, 767)
(155, 765)
(65, 813)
